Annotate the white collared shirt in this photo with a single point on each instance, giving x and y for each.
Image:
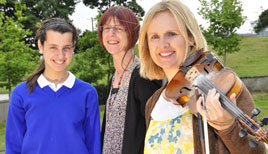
(69, 82)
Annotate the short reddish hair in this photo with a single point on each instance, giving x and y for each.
(126, 18)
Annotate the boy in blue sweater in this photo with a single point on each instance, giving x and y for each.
(53, 112)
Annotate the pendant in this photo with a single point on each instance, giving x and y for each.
(114, 90)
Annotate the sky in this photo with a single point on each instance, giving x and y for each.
(82, 17)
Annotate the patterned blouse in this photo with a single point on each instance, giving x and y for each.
(170, 130)
(115, 114)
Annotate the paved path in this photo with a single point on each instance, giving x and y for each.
(3, 97)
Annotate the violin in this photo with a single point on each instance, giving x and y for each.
(204, 70)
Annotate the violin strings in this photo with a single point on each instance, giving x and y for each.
(204, 84)
(227, 104)
(224, 100)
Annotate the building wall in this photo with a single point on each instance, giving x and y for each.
(3, 110)
(256, 84)
(264, 32)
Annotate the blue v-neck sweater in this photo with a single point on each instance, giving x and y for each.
(48, 122)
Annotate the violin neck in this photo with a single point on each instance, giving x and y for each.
(204, 85)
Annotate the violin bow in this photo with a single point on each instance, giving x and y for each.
(203, 127)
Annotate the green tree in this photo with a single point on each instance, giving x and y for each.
(88, 45)
(16, 57)
(224, 18)
(37, 11)
(3, 2)
(103, 5)
(92, 63)
(262, 22)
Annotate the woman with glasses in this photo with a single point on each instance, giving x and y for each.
(123, 128)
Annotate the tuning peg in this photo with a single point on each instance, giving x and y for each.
(255, 112)
(253, 143)
(209, 57)
(264, 121)
(243, 132)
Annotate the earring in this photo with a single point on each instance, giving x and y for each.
(192, 46)
(41, 55)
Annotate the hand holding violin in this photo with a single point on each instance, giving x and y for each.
(216, 115)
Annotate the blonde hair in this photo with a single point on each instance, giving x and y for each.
(187, 26)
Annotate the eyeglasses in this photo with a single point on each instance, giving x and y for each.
(116, 29)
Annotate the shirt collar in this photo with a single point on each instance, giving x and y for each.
(69, 82)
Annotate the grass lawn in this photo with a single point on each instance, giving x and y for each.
(3, 90)
(101, 112)
(251, 60)
(2, 136)
(261, 100)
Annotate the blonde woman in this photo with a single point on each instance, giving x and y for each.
(169, 34)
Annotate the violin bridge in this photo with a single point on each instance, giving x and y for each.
(192, 74)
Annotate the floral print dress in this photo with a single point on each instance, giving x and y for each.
(170, 130)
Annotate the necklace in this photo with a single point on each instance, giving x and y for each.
(114, 91)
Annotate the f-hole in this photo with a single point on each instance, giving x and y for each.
(205, 68)
(184, 88)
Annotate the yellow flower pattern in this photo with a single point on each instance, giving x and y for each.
(172, 136)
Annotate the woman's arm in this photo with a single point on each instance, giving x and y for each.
(230, 136)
